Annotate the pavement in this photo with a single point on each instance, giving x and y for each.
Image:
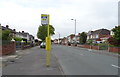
(30, 62)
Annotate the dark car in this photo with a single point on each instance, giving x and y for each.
(69, 44)
(43, 45)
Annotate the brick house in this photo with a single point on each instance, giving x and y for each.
(97, 35)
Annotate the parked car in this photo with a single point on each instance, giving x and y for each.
(69, 44)
(43, 45)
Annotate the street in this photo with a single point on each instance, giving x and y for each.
(69, 60)
(31, 62)
(80, 61)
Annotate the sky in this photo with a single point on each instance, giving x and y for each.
(25, 15)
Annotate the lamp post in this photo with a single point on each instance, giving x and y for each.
(59, 37)
(75, 30)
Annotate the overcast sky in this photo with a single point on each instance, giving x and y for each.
(90, 15)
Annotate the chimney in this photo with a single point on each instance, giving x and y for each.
(14, 30)
(22, 31)
(7, 26)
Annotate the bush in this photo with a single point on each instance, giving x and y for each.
(103, 46)
(89, 42)
(5, 34)
(17, 39)
(113, 41)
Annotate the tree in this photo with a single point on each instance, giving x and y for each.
(89, 41)
(5, 34)
(42, 31)
(115, 40)
(116, 31)
(83, 37)
(18, 39)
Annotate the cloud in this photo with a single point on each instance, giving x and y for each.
(90, 14)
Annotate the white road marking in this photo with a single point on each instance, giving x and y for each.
(81, 54)
(115, 66)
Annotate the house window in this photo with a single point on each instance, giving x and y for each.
(97, 36)
(91, 36)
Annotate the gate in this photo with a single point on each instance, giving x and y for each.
(18, 45)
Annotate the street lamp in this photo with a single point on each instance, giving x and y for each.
(59, 37)
(75, 30)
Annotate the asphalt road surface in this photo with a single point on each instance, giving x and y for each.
(31, 62)
(80, 61)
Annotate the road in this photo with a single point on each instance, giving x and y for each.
(70, 61)
(31, 62)
(80, 61)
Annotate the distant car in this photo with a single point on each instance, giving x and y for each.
(43, 45)
(69, 44)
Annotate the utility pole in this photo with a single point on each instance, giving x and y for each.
(75, 31)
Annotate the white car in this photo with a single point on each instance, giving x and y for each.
(43, 45)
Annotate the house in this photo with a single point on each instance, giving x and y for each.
(55, 41)
(14, 33)
(31, 38)
(104, 39)
(111, 32)
(78, 38)
(96, 35)
(64, 40)
(71, 38)
(24, 35)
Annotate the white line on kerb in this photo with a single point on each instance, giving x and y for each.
(115, 66)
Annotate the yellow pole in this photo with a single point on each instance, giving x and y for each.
(48, 44)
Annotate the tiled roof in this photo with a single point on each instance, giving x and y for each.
(101, 31)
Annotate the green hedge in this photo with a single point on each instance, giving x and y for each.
(5, 42)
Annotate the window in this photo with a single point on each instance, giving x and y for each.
(97, 36)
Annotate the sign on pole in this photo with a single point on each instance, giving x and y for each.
(44, 19)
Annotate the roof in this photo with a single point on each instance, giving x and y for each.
(106, 37)
(99, 31)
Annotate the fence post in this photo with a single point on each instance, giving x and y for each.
(14, 45)
(22, 45)
(108, 48)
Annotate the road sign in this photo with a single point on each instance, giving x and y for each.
(44, 19)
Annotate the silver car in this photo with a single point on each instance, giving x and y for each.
(43, 45)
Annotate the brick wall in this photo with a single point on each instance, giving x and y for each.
(110, 49)
(87, 46)
(8, 49)
(90, 47)
(84, 46)
(95, 47)
(114, 49)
